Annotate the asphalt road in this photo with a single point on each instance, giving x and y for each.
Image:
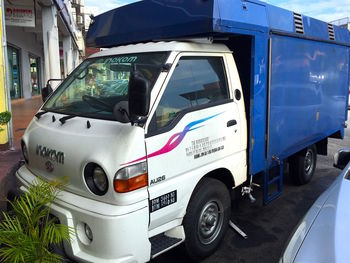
(269, 227)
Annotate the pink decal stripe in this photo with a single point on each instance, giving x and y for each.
(174, 140)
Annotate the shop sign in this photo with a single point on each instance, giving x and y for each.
(23, 16)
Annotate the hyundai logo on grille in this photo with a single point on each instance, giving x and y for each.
(49, 167)
(50, 154)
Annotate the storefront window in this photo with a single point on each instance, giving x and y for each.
(14, 73)
(35, 75)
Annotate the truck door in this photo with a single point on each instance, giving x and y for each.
(195, 128)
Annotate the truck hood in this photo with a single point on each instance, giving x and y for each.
(323, 234)
(57, 151)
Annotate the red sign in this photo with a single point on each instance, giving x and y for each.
(23, 16)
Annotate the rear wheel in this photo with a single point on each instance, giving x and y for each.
(206, 219)
(303, 165)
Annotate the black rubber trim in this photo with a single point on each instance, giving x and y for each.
(161, 242)
(39, 114)
(231, 123)
(64, 119)
(181, 114)
(88, 175)
(295, 35)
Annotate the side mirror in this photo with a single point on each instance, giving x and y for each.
(46, 91)
(139, 94)
(342, 158)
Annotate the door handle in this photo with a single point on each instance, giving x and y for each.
(231, 123)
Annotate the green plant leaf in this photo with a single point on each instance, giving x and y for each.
(28, 233)
(5, 117)
(49, 257)
(56, 233)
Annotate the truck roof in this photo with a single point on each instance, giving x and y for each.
(152, 20)
(163, 46)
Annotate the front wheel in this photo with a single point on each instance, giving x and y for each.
(303, 165)
(206, 219)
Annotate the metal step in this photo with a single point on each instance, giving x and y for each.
(278, 179)
(161, 242)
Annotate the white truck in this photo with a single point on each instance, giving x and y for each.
(154, 136)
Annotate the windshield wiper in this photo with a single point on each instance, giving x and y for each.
(64, 119)
(39, 114)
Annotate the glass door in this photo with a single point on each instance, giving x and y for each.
(14, 73)
(35, 75)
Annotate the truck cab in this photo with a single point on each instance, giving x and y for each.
(152, 138)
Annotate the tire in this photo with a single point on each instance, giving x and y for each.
(206, 219)
(303, 165)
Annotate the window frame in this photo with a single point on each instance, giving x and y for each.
(18, 51)
(151, 128)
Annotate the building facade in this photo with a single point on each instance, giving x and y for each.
(43, 40)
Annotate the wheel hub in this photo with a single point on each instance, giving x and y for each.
(210, 221)
(308, 162)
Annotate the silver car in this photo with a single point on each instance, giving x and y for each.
(323, 235)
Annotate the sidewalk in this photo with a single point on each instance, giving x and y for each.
(22, 113)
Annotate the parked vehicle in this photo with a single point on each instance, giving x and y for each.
(322, 234)
(243, 88)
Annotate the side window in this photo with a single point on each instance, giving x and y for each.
(195, 81)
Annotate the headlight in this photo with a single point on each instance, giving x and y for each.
(96, 179)
(131, 178)
(100, 179)
(25, 152)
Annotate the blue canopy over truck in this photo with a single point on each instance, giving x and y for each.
(294, 69)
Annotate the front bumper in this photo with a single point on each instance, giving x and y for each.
(120, 234)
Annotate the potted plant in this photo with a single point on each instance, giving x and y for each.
(5, 117)
(29, 233)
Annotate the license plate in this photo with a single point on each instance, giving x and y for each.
(163, 201)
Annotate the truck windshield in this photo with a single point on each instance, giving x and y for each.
(98, 84)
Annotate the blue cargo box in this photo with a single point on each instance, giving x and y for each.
(294, 69)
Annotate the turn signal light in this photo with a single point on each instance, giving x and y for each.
(124, 186)
(131, 178)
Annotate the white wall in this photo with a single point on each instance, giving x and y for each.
(27, 44)
(51, 44)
